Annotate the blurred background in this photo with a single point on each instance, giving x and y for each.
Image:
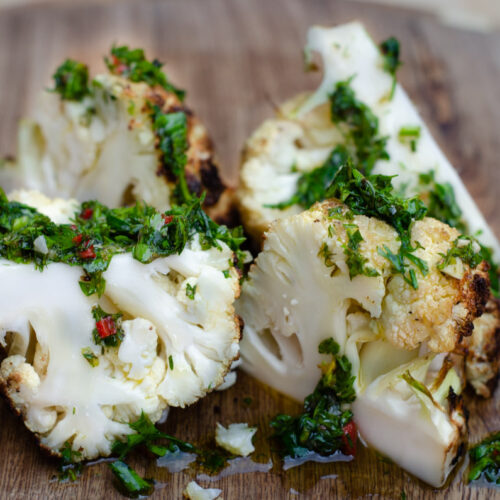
(236, 58)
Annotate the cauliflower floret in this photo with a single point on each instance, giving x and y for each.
(58, 210)
(174, 349)
(482, 350)
(194, 491)
(300, 292)
(104, 147)
(237, 438)
(443, 317)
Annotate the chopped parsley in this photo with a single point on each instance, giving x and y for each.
(325, 426)
(390, 53)
(363, 148)
(129, 481)
(146, 434)
(69, 468)
(326, 255)
(440, 200)
(97, 233)
(71, 80)
(132, 64)
(171, 362)
(361, 127)
(374, 196)
(485, 460)
(312, 186)
(171, 131)
(190, 291)
(442, 205)
(410, 135)
(355, 260)
(91, 358)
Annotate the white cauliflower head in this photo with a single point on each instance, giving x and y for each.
(104, 146)
(300, 292)
(177, 345)
(301, 136)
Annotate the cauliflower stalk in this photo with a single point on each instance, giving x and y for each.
(65, 376)
(311, 283)
(122, 137)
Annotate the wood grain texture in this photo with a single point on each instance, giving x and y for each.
(236, 58)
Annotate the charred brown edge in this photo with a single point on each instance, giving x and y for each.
(202, 175)
(456, 403)
(474, 290)
(49, 452)
(491, 349)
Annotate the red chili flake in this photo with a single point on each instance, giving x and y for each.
(349, 438)
(167, 218)
(77, 239)
(88, 253)
(106, 327)
(87, 213)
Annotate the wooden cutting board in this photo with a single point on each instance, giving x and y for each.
(236, 58)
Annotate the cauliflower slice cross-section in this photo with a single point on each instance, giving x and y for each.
(177, 345)
(300, 292)
(104, 146)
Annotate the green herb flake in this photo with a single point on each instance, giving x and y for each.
(485, 460)
(91, 358)
(71, 80)
(247, 401)
(440, 200)
(465, 248)
(355, 260)
(312, 186)
(374, 196)
(147, 434)
(171, 131)
(171, 362)
(361, 126)
(226, 273)
(97, 233)
(321, 428)
(132, 64)
(190, 291)
(69, 468)
(129, 481)
(410, 135)
(390, 54)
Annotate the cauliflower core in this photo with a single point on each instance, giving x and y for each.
(105, 148)
(299, 293)
(175, 348)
